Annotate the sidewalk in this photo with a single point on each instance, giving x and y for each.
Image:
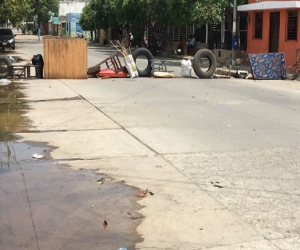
(181, 215)
(146, 133)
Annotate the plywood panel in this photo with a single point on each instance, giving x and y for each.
(65, 58)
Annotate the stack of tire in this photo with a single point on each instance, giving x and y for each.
(196, 62)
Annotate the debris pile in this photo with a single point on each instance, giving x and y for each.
(114, 68)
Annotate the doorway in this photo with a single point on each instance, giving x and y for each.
(274, 31)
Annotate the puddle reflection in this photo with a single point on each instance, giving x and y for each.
(12, 111)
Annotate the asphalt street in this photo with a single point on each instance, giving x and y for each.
(221, 155)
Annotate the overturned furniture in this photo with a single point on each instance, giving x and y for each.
(114, 68)
(8, 69)
(25, 71)
(113, 63)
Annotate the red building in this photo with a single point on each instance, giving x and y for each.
(273, 26)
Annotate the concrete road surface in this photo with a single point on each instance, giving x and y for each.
(220, 155)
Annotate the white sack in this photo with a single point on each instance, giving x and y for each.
(186, 68)
(130, 66)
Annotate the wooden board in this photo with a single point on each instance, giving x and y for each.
(65, 58)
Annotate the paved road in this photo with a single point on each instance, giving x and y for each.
(222, 156)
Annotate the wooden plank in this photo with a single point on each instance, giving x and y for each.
(65, 58)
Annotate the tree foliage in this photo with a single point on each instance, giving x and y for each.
(14, 10)
(127, 13)
(17, 10)
(41, 9)
(97, 15)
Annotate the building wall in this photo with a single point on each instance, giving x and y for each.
(288, 47)
(72, 24)
(66, 7)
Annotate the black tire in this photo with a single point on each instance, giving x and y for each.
(143, 51)
(13, 47)
(7, 61)
(204, 53)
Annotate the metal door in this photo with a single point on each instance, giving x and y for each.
(274, 31)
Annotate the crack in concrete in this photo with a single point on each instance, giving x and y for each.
(76, 98)
(30, 208)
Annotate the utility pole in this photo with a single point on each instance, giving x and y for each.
(234, 29)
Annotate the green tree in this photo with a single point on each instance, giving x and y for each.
(88, 19)
(97, 15)
(14, 10)
(41, 9)
(103, 14)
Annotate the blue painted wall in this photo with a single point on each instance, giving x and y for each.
(72, 24)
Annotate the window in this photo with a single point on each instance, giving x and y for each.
(175, 33)
(6, 32)
(292, 25)
(258, 24)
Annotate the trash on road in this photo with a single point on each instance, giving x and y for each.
(130, 66)
(186, 68)
(5, 82)
(37, 156)
(101, 181)
(105, 224)
(142, 194)
(219, 186)
(113, 69)
(216, 184)
(241, 74)
(94, 69)
(110, 73)
(128, 59)
(163, 75)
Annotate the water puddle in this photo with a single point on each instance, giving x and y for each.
(12, 111)
(56, 207)
(51, 206)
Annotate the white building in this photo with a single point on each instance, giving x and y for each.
(66, 7)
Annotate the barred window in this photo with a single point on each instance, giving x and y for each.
(258, 24)
(175, 33)
(292, 25)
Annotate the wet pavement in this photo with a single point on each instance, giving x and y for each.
(12, 110)
(45, 205)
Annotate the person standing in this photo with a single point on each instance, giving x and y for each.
(130, 39)
(39, 33)
(120, 35)
(158, 38)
